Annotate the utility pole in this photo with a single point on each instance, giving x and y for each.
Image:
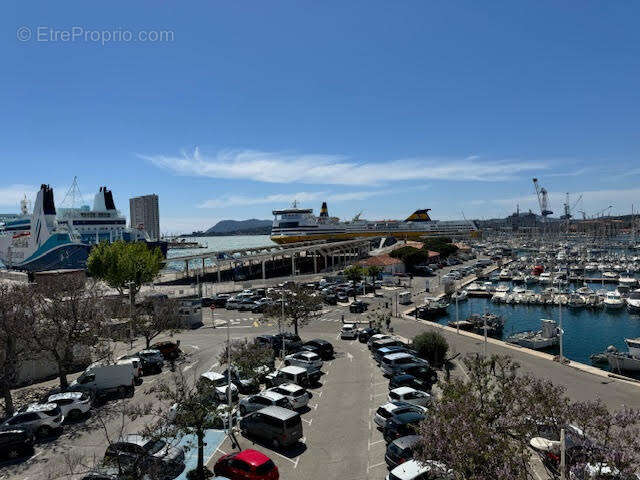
(561, 334)
(563, 459)
(230, 424)
(457, 317)
(484, 327)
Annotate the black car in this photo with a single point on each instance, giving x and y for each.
(15, 443)
(206, 301)
(342, 297)
(245, 385)
(291, 342)
(365, 334)
(330, 299)
(320, 347)
(358, 307)
(400, 450)
(402, 425)
(406, 380)
(220, 300)
(421, 372)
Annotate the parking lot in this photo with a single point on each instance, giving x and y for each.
(340, 439)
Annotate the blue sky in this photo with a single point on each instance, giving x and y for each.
(380, 107)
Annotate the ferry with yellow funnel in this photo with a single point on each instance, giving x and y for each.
(300, 224)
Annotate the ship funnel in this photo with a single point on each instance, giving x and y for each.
(421, 215)
(103, 201)
(549, 328)
(324, 211)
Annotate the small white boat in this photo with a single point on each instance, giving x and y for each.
(633, 302)
(537, 340)
(459, 296)
(530, 279)
(545, 278)
(613, 301)
(630, 362)
(610, 275)
(628, 281)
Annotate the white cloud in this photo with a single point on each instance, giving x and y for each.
(276, 167)
(11, 195)
(286, 198)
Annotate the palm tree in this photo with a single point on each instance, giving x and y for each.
(354, 273)
(374, 272)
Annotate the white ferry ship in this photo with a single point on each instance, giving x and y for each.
(300, 224)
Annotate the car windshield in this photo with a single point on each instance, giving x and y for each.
(155, 446)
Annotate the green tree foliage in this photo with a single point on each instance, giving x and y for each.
(248, 358)
(480, 428)
(159, 315)
(354, 274)
(125, 266)
(442, 245)
(296, 304)
(431, 346)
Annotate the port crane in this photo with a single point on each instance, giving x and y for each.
(543, 200)
(570, 208)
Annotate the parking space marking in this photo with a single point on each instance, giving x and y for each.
(306, 421)
(375, 443)
(369, 467)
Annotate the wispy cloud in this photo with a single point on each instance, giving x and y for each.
(276, 167)
(11, 195)
(282, 198)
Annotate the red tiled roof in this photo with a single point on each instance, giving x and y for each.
(380, 261)
(434, 254)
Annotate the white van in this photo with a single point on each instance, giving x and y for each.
(101, 379)
(404, 298)
(136, 364)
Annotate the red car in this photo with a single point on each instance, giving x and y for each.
(246, 465)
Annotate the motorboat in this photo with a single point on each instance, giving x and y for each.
(530, 279)
(626, 361)
(633, 302)
(459, 296)
(576, 301)
(613, 301)
(545, 278)
(537, 340)
(628, 281)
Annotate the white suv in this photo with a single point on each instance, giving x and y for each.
(349, 331)
(309, 360)
(40, 418)
(297, 395)
(73, 405)
(218, 383)
(410, 395)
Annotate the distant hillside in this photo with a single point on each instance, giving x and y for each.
(240, 227)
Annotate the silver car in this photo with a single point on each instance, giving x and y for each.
(298, 396)
(263, 400)
(309, 360)
(39, 418)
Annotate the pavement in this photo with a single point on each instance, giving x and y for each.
(340, 439)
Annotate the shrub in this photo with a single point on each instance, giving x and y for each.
(431, 346)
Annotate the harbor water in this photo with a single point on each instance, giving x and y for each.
(586, 331)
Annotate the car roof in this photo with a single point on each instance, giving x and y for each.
(350, 325)
(293, 369)
(403, 390)
(319, 341)
(290, 387)
(396, 356)
(38, 407)
(408, 417)
(411, 469)
(212, 375)
(252, 457)
(279, 412)
(274, 396)
(407, 441)
(135, 438)
(150, 351)
(65, 396)
(307, 354)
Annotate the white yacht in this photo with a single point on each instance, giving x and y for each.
(630, 362)
(537, 340)
(613, 301)
(633, 302)
(545, 278)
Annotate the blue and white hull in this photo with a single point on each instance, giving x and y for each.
(65, 256)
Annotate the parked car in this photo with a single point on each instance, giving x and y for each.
(136, 365)
(414, 470)
(348, 331)
(365, 334)
(375, 337)
(400, 450)
(149, 454)
(73, 405)
(402, 425)
(309, 360)
(278, 426)
(245, 385)
(215, 384)
(16, 442)
(290, 374)
(298, 396)
(247, 464)
(410, 395)
(169, 350)
(392, 409)
(321, 347)
(152, 361)
(219, 418)
(422, 372)
(392, 362)
(342, 297)
(261, 305)
(246, 304)
(358, 307)
(262, 400)
(381, 352)
(330, 298)
(291, 342)
(41, 419)
(220, 300)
